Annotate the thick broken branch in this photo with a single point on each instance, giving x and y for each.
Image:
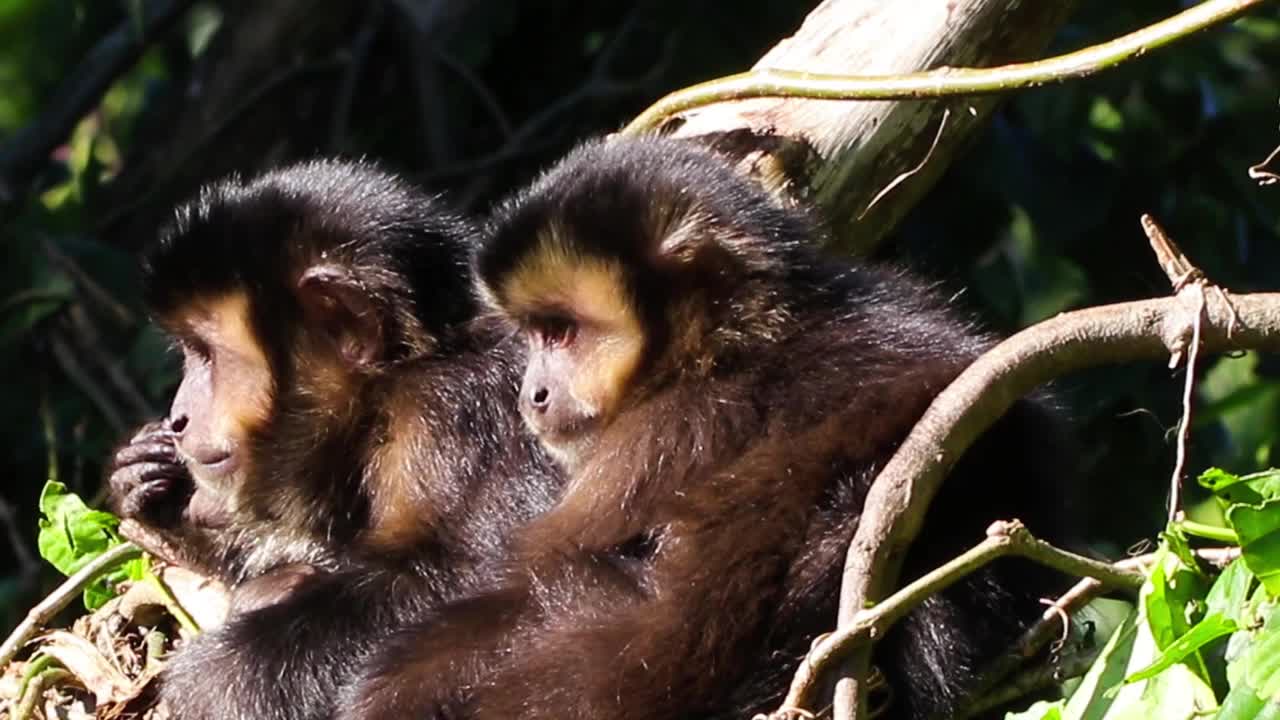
(942, 81)
(841, 157)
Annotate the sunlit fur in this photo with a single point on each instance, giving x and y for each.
(223, 321)
(556, 279)
(398, 475)
(697, 550)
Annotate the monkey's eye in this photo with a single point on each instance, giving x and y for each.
(555, 330)
(197, 348)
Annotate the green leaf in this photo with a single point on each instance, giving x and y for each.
(1255, 673)
(1242, 703)
(1251, 489)
(1230, 592)
(72, 534)
(1090, 700)
(1259, 531)
(1204, 632)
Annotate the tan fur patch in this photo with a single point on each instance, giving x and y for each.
(558, 278)
(242, 375)
(399, 514)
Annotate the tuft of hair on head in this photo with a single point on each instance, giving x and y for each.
(663, 227)
(338, 220)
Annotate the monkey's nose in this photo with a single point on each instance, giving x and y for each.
(178, 424)
(540, 399)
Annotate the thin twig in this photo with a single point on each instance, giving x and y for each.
(1263, 173)
(34, 690)
(942, 124)
(943, 81)
(62, 596)
(172, 604)
(1003, 539)
(29, 568)
(1079, 595)
(545, 128)
(1033, 680)
(89, 340)
(88, 285)
(1188, 396)
(269, 87)
(1186, 279)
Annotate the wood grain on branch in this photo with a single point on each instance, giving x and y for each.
(840, 154)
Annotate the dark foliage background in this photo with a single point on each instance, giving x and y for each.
(472, 96)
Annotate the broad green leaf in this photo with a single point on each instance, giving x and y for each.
(1242, 703)
(1175, 692)
(1251, 489)
(1172, 600)
(1230, 592)
(72, 534)
(1254, 673)
(1090, 700)
(1204, 632)
(1259, 531)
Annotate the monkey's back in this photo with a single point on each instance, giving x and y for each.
(872, 348)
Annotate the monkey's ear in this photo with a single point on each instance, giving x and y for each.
(336, 304)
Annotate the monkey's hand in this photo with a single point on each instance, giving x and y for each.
(149, 482)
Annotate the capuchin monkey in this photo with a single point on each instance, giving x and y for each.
(721, 395)
(345, 448)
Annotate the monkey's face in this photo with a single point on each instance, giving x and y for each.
(585, 344)
(225, 394)
(229, 402)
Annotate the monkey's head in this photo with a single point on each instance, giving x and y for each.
(629, 265)
(286, 294)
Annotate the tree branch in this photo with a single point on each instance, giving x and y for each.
(840, 156)
(1125, 332)
(1003, 539)
(64, 594)
(943, 81)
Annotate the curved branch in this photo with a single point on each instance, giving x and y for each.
(942, 81)
(62, 596)
(1124, 332)
(1003, 539)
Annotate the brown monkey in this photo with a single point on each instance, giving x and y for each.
(722, 396)
(344, 448)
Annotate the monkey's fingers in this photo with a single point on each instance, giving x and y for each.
(150, 451)
(143, 487)
(157, 429)
(152, 541)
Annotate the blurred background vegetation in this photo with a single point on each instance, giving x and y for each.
(470, 97)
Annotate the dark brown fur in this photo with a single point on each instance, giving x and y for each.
(332, 350)
(697, 548)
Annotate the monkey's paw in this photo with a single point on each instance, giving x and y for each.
(148, 481)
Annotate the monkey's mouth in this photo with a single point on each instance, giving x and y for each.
(211, 464)
(568, 445)
(570, 433)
